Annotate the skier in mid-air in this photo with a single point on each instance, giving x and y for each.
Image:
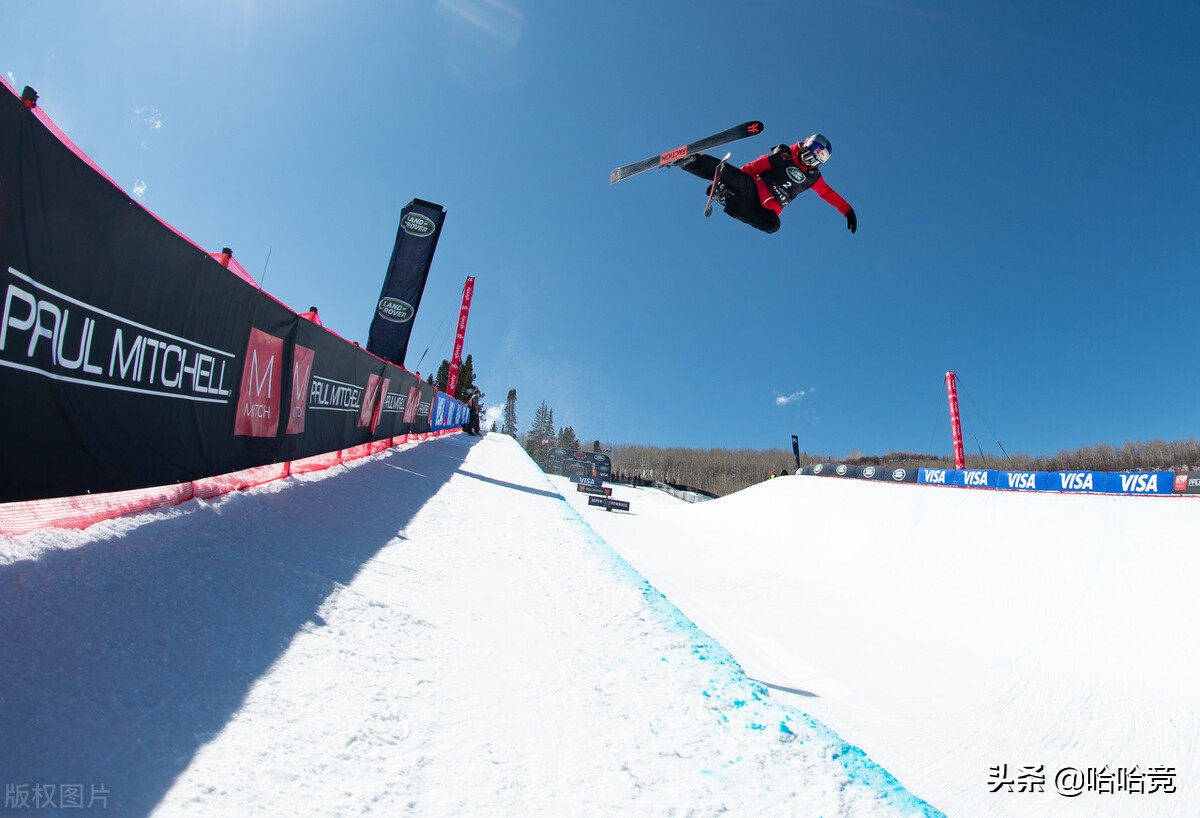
(757, 192)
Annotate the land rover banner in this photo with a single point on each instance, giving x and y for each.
(130, 358)
(416, 239)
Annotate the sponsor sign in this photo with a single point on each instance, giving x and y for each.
(116, 330)
(570, 462)
(395, 310)
(1069, 481)
(259, 398)
(1187, 482)
(51, 333)
(892, 474)
(372, 405)
(586, 480)
(1141, 482)
(302, 366)
(609, 503)
(975, 478)
(416, 224)
(1076, 481)
(936, 477)
(404, 283)
(605, 491)
(1021, 481)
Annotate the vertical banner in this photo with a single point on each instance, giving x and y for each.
(416, 239)
(960, 458)
(460, 336)
(796, 450)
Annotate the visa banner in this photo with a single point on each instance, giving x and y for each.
(1113, 482)
(1069, 481)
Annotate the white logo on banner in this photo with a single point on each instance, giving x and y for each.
(49, 333)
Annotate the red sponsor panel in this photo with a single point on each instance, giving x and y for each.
(368, 413)
(258, 398)
(412, 404)
(960, 459)
(456, 358)
(302, 367)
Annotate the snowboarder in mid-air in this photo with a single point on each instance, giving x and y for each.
(757, 192)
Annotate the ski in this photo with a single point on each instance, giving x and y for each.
(712, 189)
(729, 135)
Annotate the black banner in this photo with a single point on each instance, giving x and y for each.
(609, 503)
(827, 470)
(130, 358)
(416, 239)
(572, 462)
(1187, 482)
(891, 474)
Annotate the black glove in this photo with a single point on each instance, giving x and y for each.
(851, 221)
(780, 156)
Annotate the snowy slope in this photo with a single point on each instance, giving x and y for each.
(431, 632)
(950, 631)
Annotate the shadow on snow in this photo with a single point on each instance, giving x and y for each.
(123, 657)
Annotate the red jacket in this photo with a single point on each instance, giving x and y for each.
(789, 177)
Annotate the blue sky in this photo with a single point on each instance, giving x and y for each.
(1024, 176)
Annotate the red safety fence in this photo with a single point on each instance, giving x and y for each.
(88, 509)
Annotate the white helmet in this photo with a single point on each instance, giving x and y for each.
(815, 150)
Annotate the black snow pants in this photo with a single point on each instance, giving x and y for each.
(742, 198)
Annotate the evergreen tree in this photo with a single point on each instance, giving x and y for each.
(541, 435)
(466, 379)
(567, 439)
(443, 376)
(510, 414)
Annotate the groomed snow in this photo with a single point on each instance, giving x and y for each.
(430, 632)
(951, 631)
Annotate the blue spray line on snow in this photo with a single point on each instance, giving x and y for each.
(737, 691)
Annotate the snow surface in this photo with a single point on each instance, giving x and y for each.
(436, 632)
(948, 631)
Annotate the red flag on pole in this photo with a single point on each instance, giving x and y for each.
(460, 336)
(960, 459)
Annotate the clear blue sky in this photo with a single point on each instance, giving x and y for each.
(1025, 176)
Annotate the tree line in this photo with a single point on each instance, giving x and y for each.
(724, 471)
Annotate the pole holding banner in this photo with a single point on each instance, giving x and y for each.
(460, 336)
(960, 459)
